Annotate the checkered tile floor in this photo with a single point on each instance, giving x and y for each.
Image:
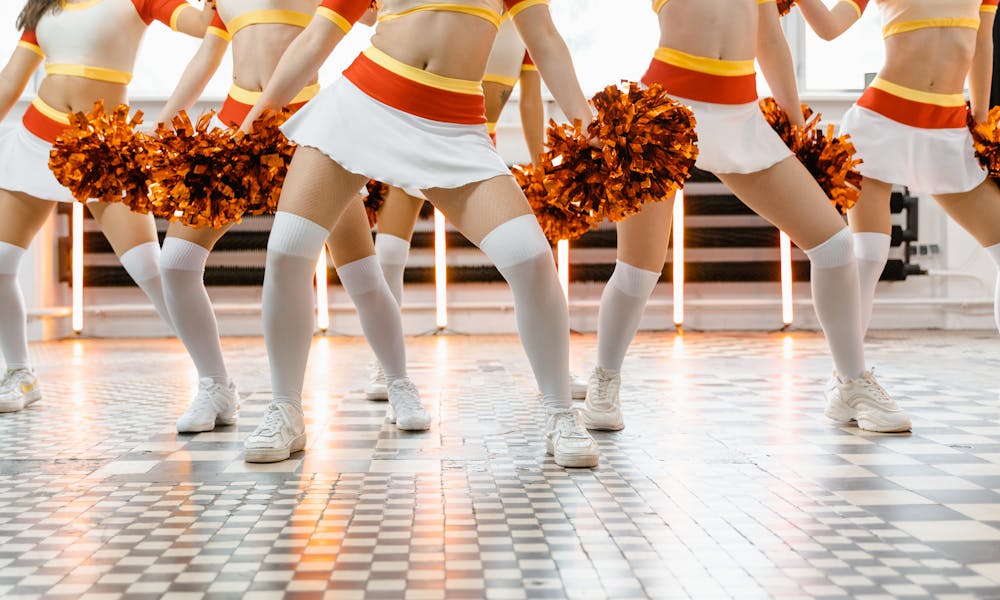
(727, 481)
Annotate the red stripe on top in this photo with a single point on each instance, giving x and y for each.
(30, 37)
(702, 87)
(911, 112)
(42, 126)
(352, 10)
(159, 10)
(415, 98)
(526, 61)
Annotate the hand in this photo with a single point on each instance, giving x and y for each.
(369, 18)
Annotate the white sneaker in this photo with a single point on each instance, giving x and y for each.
(376, 388)
(603, 409)
(281, 433)
(865, 401)
(577, 387)
(214, 404)
(568, 441)
(405, 408)
(18, 389)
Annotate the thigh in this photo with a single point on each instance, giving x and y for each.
(788, 196)
(351, 238)
(318, 188)
(123, 228)
(977, 211)
(399, 214)
(23, 217)
(205, 237)
(872, 212)
(478, 208)
(643, 237)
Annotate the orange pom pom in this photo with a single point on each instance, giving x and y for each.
(557, 224)
(785, 6)
(377, 191)
(648, 146)
(102, 155)
(830, 158)
(986, 140)
(268, 153)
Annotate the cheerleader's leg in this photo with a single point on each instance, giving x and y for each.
(978, 212)
(495, 216)
(870, 222)
(396, 221)
(133, 238)
(23, 217)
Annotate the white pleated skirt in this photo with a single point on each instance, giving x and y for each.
(928, 161)
(735, 138)
(24, 166)
(369, 138)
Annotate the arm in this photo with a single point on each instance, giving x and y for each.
(196, 76)
(981, 72)
(550, 53)
(532, 112)
(306, 54)
(829, 23)
(192, 21)
(16, 74)
(776, 62)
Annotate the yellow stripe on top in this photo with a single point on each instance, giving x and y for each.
(946, 100)
(475, 11)
(448, 84)
(176, 15)
(658, 4)
(855, 6)
(95, 73)
(529, 68)
(335, 18)
(78, 5)
(507, 81)
(269, 16)
(522, 6)
(987, 8)
(33, 47)
(250, 97)
(712, 66)
(56, 115)
(897, 28)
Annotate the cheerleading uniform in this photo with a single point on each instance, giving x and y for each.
(733, 136)
(230, 18)
(400, 124)
(96, 40)
(912, 137)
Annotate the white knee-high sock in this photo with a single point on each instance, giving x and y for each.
(837, 301)
(288, 302)
(143, 264)
(13, 315)
(994, 252)
(183, 271)
(379, 312)
(523, 255)
(872, 252)
(622, 304)
(392, 253)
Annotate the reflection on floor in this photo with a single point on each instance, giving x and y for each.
(727, 481)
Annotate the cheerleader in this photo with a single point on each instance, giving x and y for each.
(410, 112)
(89, 49)
(508, 65)
(916, 109)
(706, 60)
(260, 32)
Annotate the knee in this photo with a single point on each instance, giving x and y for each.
(182, 256)
(295, 236)
(516, 241)
(872, 246)
(10, 258)
(837, 251)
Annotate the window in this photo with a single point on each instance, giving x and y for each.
(9, 36)
(844, 63)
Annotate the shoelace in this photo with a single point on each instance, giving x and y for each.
(569, 425)
(203, 400)
(411, 401)
(272, 422)
(881, 396)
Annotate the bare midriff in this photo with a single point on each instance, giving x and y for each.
(930, 60)
(719, 29)
(449, 44)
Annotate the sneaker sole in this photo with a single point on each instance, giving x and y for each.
(29, 399)
(273, 455)
(576, 461)
(225, 421)
(392, 419)
(579, 394)
(197, 428)
(377, 396)
(603, 426)
(869, 425)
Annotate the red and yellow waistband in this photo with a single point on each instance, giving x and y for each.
(44, 121)
(417, 92)
(926, 110)
(703, 79)
(240, 100)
